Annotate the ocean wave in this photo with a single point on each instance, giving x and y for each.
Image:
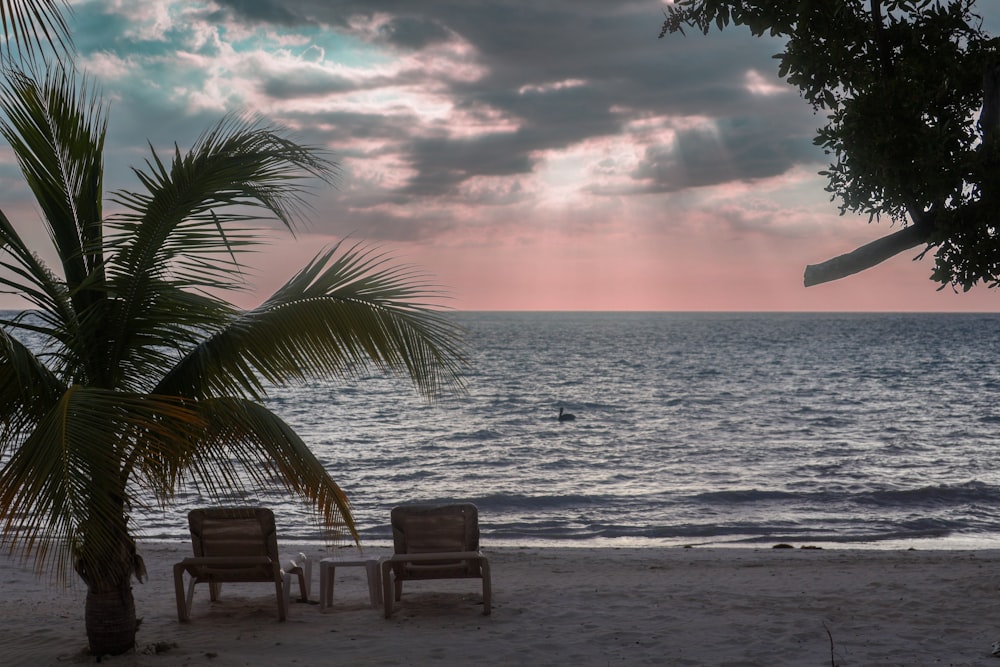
(481, 435)
(541, 504)
(739, 496)
(960, 494)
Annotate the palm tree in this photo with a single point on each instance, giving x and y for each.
(143, 378)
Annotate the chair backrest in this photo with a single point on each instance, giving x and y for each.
(435, 528)
(421, 529)
(233, 531)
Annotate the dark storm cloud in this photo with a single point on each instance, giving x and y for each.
(739, 149)
(555, 120)
(280, 13)
(407, 29)
(444, 163)
(305, 86)
(611, 48)
(413, 32)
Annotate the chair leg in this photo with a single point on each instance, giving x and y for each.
(327, 573)
(307, 569)
(190, 593)
(183, 606)
(303, 588)
(286, 589)
(387, 588)
(281, 591)
(372, 571)
(484, 569)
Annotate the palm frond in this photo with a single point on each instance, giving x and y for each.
(179, 237)
(243, 445)
(57, 129)
(343, 313)
(30, 278)
(183, 212)
(28, 25)
(63, 489)
(28, 390)
(172, 322)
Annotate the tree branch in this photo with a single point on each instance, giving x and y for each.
(867, 255)
(883, 48)
(919, 232)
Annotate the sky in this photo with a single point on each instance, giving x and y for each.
(526, 155)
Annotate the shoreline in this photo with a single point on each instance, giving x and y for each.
(957, 542)
(559, 606)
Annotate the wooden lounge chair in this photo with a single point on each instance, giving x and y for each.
(234, 544)
(434, 542)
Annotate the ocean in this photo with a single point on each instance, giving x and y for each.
(736, 429)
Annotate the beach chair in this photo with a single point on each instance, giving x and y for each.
(434, 542)
(236, 544)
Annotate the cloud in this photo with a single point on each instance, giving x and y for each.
(493, 126)
(272, 13)
(413, 32)
(458, 91)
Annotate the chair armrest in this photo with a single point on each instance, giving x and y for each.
(301, 563)
(225, 561)
(302, 568)
(442, 555)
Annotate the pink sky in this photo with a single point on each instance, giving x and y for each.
(740, 274)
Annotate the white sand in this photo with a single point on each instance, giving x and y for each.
(702, 606)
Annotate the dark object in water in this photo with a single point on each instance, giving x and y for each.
(567, 417)
(789, 546)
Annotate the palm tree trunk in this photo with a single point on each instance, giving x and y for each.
(110, 619)
(107, 561)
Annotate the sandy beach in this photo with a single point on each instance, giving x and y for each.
(572, 606)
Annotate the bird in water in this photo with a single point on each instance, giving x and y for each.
(566, 416)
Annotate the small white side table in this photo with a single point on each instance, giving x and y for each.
(327, 569)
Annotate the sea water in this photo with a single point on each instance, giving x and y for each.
(691, 428)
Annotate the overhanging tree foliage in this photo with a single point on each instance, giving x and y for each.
(911, 93)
